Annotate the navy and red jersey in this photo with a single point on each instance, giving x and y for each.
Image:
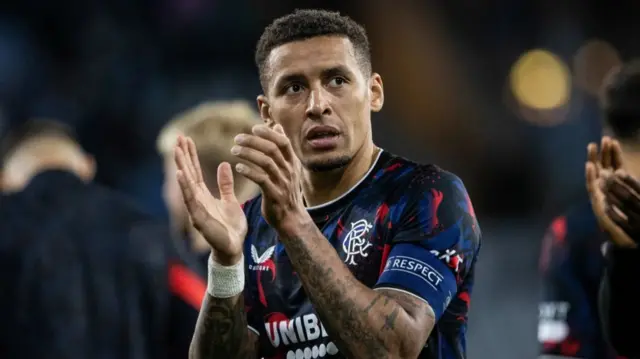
(572, 263)
(404, 226)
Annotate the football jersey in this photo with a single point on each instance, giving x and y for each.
(572, 263)
(403, 226)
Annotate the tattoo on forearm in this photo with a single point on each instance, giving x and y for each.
(221, 331)
(416, 308)
(390, 320)
(412, 305)
(357, 328)
(376, 300)
(344, 322)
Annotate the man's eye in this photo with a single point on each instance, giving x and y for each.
(295, 88)
(337, 82)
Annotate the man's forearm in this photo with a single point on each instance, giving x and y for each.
(362, 322)
(221, 330)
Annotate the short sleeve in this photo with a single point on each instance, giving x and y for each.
(436, 242)
(568, 324)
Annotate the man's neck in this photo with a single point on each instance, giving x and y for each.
(323, 187)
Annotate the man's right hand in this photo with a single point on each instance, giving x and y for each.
(220, 221)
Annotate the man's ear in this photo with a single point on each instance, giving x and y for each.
(376, 90)
(88, 168)
(263, 108)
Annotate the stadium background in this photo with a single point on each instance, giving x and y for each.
(503, 93)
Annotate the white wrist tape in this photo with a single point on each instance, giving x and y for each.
(225, 282)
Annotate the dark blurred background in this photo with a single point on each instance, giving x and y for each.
(503, 93)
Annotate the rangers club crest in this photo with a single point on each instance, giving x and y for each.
(355, 243)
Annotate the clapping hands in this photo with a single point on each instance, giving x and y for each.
(614, 194)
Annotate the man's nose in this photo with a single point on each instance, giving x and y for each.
(318, 105)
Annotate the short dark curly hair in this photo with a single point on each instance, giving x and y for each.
(622, 102)
(306, 24)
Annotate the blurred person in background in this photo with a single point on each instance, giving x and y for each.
(571, 264)
(351, 251)
(84, 272)
(572, 260)
(212, 127)
(612, 173)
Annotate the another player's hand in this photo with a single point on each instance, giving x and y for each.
(270, 162)
(622, 193)
(601, 165)
(220, 221)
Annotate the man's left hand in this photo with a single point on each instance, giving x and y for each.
(270, 162)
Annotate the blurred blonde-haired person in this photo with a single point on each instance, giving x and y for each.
(212, 126)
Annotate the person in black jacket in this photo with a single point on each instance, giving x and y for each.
(611, 178)
(84, 272)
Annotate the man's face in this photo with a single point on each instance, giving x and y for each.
(319, 94)
(173, 196)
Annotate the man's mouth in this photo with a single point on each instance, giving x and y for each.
(323, 137)
(319, 132)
